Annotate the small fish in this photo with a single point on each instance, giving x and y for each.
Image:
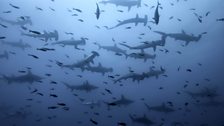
(189, 70)
(48, 75)
(51, 9)
(16, 7)
(53, 95)
(38, 8)
(46, 49)
(52, 107)
(107, 90)
(61, 104)
(94, 122)
(220, 19)
(78, 10)
(97, 11)
(4, 26)
(111, 76)
(40, 94)
(35, 90)
(80, 20)
(121, 124)
(36, 57)
(22, 71)
(69, 33)
(35, 32)
(6, 11)
(2, 37)
(53, 82)
(120, 11)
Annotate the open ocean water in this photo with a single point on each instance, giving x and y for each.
(111, 63)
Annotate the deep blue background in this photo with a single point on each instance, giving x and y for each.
(208, 51)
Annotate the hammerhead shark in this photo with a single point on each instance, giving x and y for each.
(135, 20)
(19, 44)
(46, 36)
(141, 76)
(20, 21)
(141, 55)
(147, 44)
(113, 48)
(161, 108)
(98, 69)
(80, 64)
(123, 101)
(142, 120)
(183, 36)
(71, 42)
(125, 3)
(29, 77)
(86, 86)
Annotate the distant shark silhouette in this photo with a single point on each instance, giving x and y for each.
(147, 44)
(125, 3)
(19, 44)
(83, 87)
(21, 21)
(139, 77)
(27, 78)
(142, 120)
(123, 101)
(182, 36)
(113, 48)
(135, 20)
(141, 55)
(46, 36)
(80, 64)
(98, 69)
(162, 108)
(71, 42)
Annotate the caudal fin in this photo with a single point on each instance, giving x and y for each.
(56, 35)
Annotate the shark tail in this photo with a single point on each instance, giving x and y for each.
(162, 69)
(147, 106)
(139, 3)
(7, 79)
(131, 117)
(6, 55)
(56, 35)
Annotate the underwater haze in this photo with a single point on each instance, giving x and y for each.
(111, 63)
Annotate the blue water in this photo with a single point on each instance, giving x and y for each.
(191, 85)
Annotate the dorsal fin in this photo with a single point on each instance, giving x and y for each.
(137, 16)
(183, 32)
(100, 65)
(122, 96)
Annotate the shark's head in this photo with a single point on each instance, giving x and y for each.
(95, 53)
(83, 41)
(162, 69)
(56, 36)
